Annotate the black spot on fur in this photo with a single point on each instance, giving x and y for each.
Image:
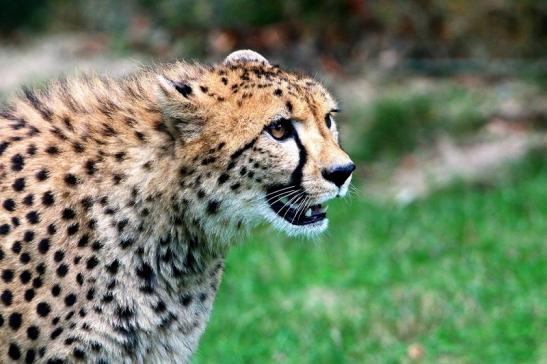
(6, 297)
(186, 300)
(14, 352)
(92, 263)
(90, 294)
(28, 236)
(208, 160)
(29, 357)
(55, 334)
(43, 309)
(56, 290)
(43, 246)
(241, 150)
(140, 136)
(87, 202)
(3, 147)
(52, 150)
(4, 229)
(120, 156)
(33, 217)
(41, 268)
(79, 277)
(117, 178)
(122, 224)
(62, 270)
(126, 243)
(83, 241)
(33, 332)
(90, 167)
(25, 276)
(213, 206)
(19, 184)
(28, 200)
(48, 199)
(9, 204)
(31, 150)
(15, 320)
(68, 214)
(7, 275)
(17, 162)
(16, 248)
(145, 272)
(29, 294)
(78, 353)
(289, 106)
(70, 299)
(70, 179)
(223, 178)
(42, 175)
(24, 258)
(112, 268)
(73, 229)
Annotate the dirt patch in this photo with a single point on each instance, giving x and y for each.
(422, 172)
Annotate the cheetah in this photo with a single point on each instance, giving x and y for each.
(119, 199)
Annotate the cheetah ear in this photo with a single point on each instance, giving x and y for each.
(181, 116)
(168, 87)
(244, 56)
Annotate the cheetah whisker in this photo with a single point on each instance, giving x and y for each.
(301, 209)
(289, 203)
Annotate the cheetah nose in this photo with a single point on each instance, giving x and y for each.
(338, 174)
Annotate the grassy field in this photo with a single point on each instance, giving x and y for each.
(459, 277)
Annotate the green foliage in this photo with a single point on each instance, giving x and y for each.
(26, 15)
(202, 14)
(399, 122)
(344, 29)
(461, 273)
(397, 125)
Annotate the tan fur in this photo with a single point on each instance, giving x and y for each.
(146, 181)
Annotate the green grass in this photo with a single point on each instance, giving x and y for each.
(461, 273)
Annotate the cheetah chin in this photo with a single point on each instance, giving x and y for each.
(294, 222)
(293, 216)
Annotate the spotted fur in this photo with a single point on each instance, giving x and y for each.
(119, 199)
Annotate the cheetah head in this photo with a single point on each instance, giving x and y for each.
(263, 141)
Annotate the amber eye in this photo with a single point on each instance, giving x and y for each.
(281, 129)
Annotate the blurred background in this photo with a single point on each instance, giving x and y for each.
(440, 253)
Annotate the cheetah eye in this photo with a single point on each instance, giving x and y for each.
(328, 120)
(280, 129)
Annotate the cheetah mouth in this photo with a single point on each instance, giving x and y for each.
(298, 213)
